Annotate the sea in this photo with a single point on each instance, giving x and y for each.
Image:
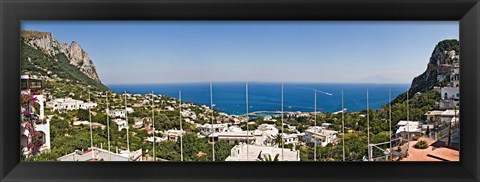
(230, 97)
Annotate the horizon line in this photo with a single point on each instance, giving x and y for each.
(305, 82)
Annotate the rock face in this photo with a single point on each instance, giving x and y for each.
(47, 43)
(445, 54)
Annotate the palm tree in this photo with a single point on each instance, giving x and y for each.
(278, 139)
(268, 158)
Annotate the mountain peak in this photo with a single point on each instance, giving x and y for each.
(46, 42)
(30, 34)
(446, 53)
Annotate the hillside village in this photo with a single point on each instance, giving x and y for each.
(67, 118)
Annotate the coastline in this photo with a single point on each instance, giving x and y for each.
(229, 97)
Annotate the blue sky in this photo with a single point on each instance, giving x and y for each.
(313, 51)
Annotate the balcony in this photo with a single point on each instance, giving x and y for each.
(34, 85)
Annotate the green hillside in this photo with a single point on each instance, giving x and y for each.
(69, 76)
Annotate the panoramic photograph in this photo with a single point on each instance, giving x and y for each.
(227, 91)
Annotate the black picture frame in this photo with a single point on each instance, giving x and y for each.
(13, 11)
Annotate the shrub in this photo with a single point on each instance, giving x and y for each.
(421, 145)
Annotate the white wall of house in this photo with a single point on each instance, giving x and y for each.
(320, 136)
(117, 113)
(450, 93)
(69, 104)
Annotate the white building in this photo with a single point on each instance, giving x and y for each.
(257, 153)
(206, 129)
(157, 139)
(69, 104)
(234, 137)
(98, 154)
(327, 125)
(119, 113)
(265, 134)
(450, 93)
(173, 134)
(442, 117)
(170, 108)
(79, 123)
(448, 115)
(234, 129)
(138, 124)
(406, 129)
(121, 124)
(445, 104)
(320, 135)
(32, 86)
(455, 83)
(434, 116)
(290, 138)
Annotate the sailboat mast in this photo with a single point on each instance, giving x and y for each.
(246, 100)
(408, 122)
(282, 122)
(315, 125)
(90, 119)
(368, 128)
(343, 129)
(126, 120)
(390, 118)
(181, 128)
(107, 110)
(153, 129)
(213, 130)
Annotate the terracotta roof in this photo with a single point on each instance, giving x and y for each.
(432, 153)
(445, 154)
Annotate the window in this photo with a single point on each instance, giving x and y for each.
(35, 84)
(23, 84)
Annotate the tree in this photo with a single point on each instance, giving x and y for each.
(192, 145)
(222, 150)
(168, 150)
(268, 158)
(278, 139)
(82, 115)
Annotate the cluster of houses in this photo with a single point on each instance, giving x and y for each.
(445, 114)
(252, 144)
(261, 141)
(265, 139)
(69, 104)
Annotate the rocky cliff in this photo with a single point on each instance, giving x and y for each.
(46, 42)
(445, 54)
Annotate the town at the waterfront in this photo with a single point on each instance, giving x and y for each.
(68, 114)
